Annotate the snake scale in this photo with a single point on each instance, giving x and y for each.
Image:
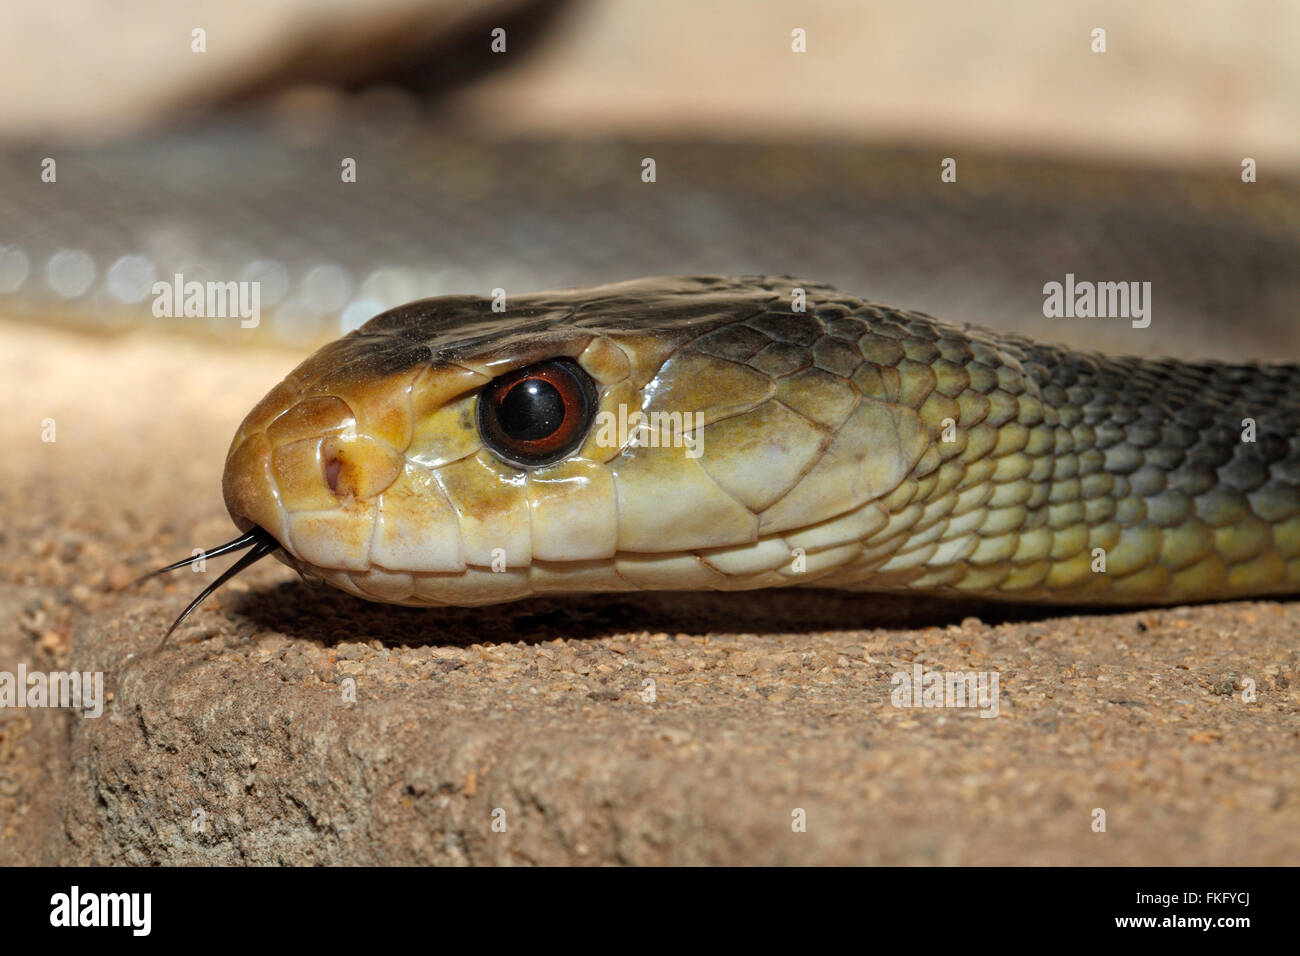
(450, 452)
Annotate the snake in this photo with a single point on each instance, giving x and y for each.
(733, 433)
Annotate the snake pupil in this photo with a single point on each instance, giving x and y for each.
(538, 414)
(531, 410)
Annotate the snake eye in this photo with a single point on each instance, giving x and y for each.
(538, 414)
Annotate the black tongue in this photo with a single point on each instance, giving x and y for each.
(263, 544)
(245, 540)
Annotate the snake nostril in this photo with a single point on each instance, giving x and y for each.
(357, 467)
(333, 465)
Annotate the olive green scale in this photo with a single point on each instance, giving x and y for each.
(1041, 473)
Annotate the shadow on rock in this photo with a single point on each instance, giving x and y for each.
(331, 617)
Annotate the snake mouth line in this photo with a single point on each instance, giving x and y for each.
(257, 539)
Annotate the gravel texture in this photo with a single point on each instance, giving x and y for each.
(528, 733)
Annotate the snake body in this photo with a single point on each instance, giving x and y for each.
(804, 436)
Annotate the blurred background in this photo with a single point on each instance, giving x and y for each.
(501, 143)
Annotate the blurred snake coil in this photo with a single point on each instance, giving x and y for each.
(447, 453)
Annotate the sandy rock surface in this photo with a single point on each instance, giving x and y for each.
(238, 744)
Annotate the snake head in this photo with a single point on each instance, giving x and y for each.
(628, 436)
(441, 445)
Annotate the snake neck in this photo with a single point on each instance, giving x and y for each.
(1062, 476)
